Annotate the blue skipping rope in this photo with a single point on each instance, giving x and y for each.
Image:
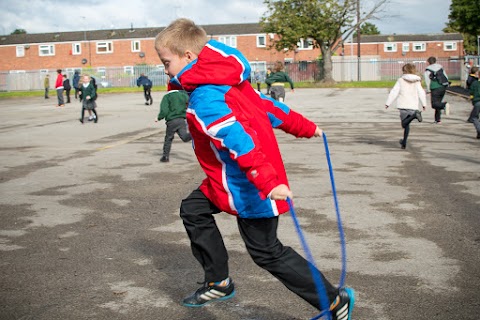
(321, 291)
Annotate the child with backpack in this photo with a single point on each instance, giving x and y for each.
(436, 82)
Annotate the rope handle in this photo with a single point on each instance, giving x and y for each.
(321, 291)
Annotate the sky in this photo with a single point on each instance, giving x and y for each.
(43, 16)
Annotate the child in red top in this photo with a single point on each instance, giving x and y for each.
(59, 88)
(231, 126)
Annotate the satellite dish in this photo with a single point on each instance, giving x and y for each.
(84, 61)
(142, 55)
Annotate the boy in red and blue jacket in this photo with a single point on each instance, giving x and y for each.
(231, 126)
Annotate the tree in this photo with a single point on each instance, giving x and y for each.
(323, 22)
(367, 29)
(19, 31)
(463, 18)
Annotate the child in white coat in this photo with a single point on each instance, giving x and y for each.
(408, 92)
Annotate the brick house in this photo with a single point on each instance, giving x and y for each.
(124, 49)
(128, 47)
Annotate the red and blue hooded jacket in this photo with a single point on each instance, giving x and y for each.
(232, 132)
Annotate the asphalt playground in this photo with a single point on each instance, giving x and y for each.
(90, 227)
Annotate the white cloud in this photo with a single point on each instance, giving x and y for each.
(400, 16)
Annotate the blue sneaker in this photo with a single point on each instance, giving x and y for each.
(342, 307)
(210, 293)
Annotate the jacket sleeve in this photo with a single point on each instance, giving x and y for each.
(289, 81)
(475, 90)
(288, 120)
(393, 93)
(164, 107)
(421, 94)
(426, 77)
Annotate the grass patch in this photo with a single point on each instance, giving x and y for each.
(341, 85)
(53, 94)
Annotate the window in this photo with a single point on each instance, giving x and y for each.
(405, 47)
(419, 46)
(229, 41)
(305, 44)
(135, 46)
(390, 47)
(104, 47)
(128, 69)
(20, 51)
(76, 48)
(449, 46)
(46, 50)
(261, 41)
(302, 66)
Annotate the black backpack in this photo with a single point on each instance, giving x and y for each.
(439, 76)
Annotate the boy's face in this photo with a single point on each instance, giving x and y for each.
(174, 63)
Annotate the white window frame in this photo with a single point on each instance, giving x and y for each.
(423, 47)
(288, 60)
(45, 50)
(389, 47)
(261, 41)
(136, 46)
(305, 44)
(43, 71)
(104, 47)
(228, 40)
(450, 46)
(17, 71)
(20, 51)
(128, 69)
(406, 47)
(76, 48)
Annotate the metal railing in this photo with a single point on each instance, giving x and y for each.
(344, 69)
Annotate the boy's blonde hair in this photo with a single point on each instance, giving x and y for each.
(409, 68)
(182, 35)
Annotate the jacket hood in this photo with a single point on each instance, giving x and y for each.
(217, 64)
(434, 67)
(411, 77)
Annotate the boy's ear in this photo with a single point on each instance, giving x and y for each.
(190, 56)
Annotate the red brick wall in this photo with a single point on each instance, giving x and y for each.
(123, 56)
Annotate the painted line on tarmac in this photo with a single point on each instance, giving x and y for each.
(127, 141)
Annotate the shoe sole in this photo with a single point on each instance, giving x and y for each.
(231, 295)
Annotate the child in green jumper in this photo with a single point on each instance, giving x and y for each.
(173, 109)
